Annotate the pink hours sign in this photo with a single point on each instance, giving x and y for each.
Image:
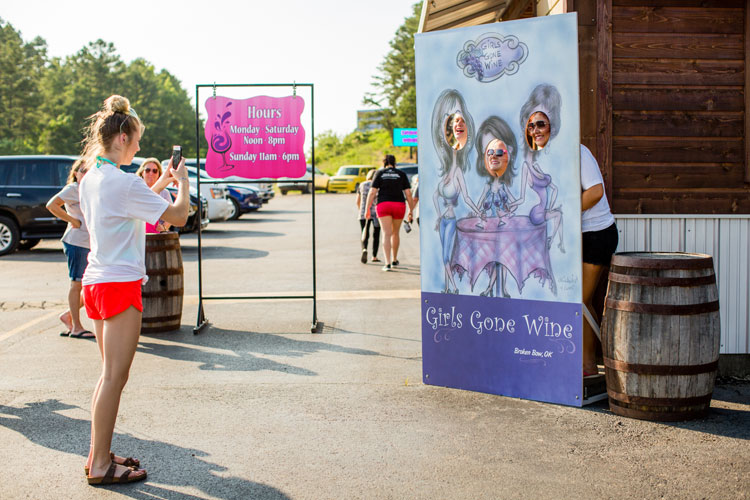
(255, 138)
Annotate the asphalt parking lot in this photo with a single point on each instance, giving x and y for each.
(258, 407)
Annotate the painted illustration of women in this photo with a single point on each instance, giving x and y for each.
(452, 132)
(540, 120)
(496, 153)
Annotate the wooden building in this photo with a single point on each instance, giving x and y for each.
(663, 108)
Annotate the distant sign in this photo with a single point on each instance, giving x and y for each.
(256, 137)
(405, 137)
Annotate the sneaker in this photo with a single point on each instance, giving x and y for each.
(387, 267)
(395, 263)
(364, 256)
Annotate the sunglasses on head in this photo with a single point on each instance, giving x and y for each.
(149, 170)
(497, 152)
(538, 124)
(131, 112)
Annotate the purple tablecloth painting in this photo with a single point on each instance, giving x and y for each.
(514, 242)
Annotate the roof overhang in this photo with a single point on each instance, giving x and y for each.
(445, 14)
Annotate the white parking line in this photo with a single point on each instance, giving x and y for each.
(323, 295)
(29, 324)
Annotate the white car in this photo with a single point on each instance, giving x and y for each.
(219, 206)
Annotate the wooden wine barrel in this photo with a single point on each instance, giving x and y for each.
(162, 295)
(660, 335)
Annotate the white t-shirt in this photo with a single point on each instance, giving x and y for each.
(599, 216)
(74, 236)
(116, 206)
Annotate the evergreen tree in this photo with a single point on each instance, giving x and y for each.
(396, 83)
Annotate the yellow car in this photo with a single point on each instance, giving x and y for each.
(348, 178)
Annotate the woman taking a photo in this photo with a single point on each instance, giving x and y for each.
(116, 207)
(391, 186)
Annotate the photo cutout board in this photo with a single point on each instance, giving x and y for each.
(500, 208)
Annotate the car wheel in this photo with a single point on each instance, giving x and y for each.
(283, 192)
(234, 212)
(308, 189)
(9, 236)
(356, 186)
(28, 244)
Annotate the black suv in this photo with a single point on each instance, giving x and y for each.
(26, 185)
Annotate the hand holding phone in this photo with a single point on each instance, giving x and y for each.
(176, 156)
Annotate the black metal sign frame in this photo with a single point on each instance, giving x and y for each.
(202, 321)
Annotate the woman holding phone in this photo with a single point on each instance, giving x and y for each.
(116, 207)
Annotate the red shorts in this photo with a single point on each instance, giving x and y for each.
(395, 209)
(104, 300)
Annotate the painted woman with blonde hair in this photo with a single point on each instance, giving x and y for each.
(116, 207)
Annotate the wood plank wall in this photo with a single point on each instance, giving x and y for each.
(676, 111)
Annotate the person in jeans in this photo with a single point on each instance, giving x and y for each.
(75, 242)
(365, 223)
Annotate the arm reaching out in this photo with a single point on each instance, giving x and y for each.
(177, 213)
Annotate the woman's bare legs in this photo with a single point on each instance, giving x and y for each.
(119, 340)
(590, 278)
(395, 238)
(72, 317)
(386, 223)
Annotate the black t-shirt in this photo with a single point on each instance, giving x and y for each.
(390, 183)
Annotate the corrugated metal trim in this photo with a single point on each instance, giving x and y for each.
(725, 237)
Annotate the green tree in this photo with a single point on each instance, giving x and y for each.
(396, 84)
(75, 89)
(22, 66)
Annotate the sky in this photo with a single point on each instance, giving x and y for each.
(335, 45)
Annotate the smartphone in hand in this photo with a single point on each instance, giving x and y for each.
(176, 156)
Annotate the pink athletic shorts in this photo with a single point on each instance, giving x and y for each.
(395, 209)
(104, 300)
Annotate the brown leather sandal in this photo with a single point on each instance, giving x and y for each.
(131, 462)
(110, 478)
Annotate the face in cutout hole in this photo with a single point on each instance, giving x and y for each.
(496, 158)
(456, 131)
(537, 131)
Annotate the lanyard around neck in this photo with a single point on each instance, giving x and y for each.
(100, 160)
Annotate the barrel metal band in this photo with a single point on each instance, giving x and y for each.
(166, 272)
(655, 262)
(662, 281)
(159, 248)
(161, 319)
(656, 416)
(642, 369)
(646, 401)
(162, 293)
(663, 309)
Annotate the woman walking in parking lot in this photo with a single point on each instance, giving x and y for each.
(116, 206)
(76, 247)
(365, 223)
(391, 186)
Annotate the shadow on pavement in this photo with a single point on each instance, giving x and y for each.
(237, 233)
(190, 253)
(245, 347)
(36, 255)
(727, 422)
(40, 423)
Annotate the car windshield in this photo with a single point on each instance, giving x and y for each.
(348, 171)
